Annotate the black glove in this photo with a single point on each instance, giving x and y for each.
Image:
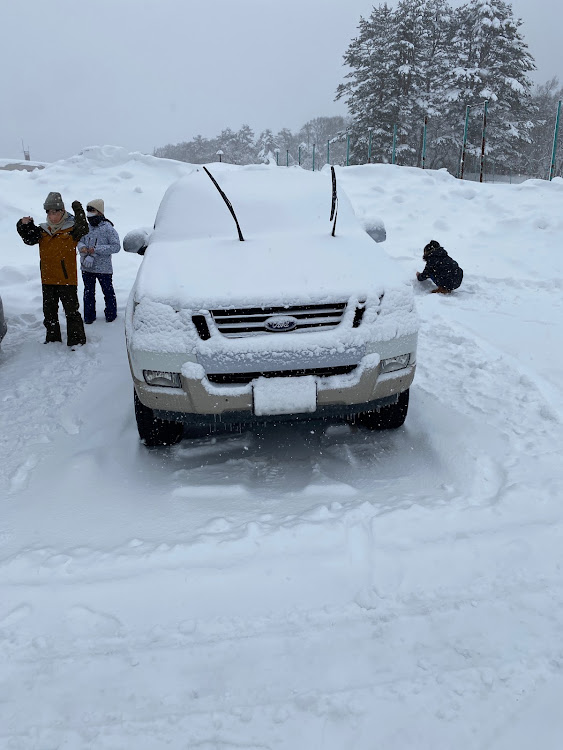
(81, 226)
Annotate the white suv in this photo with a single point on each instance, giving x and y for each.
(251, 304)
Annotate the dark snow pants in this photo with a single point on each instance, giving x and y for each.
(68, 295)
(106, 283)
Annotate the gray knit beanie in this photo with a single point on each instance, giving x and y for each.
(54, 202)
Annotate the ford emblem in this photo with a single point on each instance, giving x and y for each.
(281, 323)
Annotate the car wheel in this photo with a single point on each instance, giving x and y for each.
(154, 431)
(388, 417)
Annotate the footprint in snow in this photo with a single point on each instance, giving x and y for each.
(85, 621)
(15, 616)
(20, 477)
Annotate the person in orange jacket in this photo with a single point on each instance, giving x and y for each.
(57, 239)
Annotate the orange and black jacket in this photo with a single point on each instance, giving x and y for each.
(57, 252)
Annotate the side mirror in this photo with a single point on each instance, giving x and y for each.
(136, 240)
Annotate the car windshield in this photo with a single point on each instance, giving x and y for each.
(266, 202)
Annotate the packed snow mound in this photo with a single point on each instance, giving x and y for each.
(111, 156)
(501, 230)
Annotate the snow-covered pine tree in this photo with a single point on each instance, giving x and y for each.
(399, 74)
(436, 91)
(493, 65)
(370, 87)
(242, 149)
(266, 146)
(427, 59)
(409, 52)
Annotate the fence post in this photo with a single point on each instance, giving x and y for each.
(424, 141)
(348, 149)
(299, 157)
(482, 163)
(328, 152)
(370, 131)
(464, 145)
(277, 153)
(552, 167)
(394, 143)
(287, 157)
(314, 156)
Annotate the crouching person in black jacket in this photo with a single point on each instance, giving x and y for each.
(440, 268)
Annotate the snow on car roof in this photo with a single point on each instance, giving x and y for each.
(266, 200)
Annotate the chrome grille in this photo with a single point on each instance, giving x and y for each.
(250, 321)
(238, 378)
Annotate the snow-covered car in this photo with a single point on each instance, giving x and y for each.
(3, 326)
(250, 304)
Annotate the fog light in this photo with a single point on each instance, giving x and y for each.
(395, 363)
(166, 379)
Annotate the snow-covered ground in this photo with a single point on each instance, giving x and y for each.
(298, 587)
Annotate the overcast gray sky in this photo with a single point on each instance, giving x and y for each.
(143, 73)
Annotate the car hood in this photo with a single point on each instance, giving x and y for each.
(262, 270)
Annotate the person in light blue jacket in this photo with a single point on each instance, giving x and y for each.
(96, 249)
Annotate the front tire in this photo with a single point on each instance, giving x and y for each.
(154, 431)
(388, 417)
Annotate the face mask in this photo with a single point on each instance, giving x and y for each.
(90, 214)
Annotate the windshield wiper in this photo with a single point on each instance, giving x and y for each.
(334, 209)
(227, 201)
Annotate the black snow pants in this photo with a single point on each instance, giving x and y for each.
(68, 295)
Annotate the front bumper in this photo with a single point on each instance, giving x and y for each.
(201, 401)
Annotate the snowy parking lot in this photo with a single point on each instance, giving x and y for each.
(292, 587)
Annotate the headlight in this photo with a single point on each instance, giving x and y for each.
(166, 379)
(395, 363)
